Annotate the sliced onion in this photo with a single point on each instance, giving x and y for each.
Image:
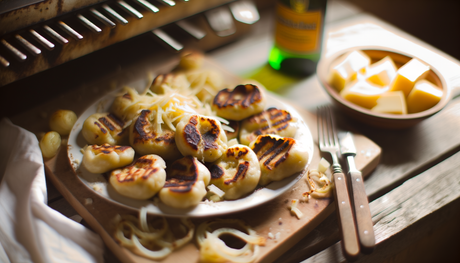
(158, 254)
(141, 233)
(214, 249)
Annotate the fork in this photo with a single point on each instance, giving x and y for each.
(328, 142)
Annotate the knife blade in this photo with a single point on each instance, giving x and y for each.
(363, 215)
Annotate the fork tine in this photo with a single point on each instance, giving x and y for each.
(326, 129)
(331, 125)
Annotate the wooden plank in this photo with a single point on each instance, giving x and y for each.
(272, 217)
(98, 212)
(408, 152)
(420, 207)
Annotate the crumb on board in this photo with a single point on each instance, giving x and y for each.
(274, 236)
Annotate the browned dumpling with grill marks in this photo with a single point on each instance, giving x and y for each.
(201, 137)
(271, 121)
(236, 172)
(278, 157)
(140, 180)
(103, 158)
(102, 128)
(185, 184)
(241, 102)
(146, 139)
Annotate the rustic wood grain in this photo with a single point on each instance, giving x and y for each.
(405, 217)
(433, 141)
(98, 212)
(405, 153)
(272, 217)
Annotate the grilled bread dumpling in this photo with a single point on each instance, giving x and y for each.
(102, 128)
(241, 102)
(103, 158)
(201, 137)
(145, 139)
(164, 83)
(140, 180)
(185, 183)
(128, 105)
(279, 157)
(236, 172)
(270, 121)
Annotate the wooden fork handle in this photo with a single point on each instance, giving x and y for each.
(350, 244)
(364, 223)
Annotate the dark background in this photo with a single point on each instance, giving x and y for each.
(437, 22)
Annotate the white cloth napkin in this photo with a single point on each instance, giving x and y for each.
(31, 231)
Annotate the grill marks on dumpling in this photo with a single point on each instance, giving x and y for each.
(239, 153)
(100, 128)
(236, 172)
(141, 168)
(242, 95)
(112, 123)
(142, 131)
(141, 179)
(182, 175)
(107, 148)
(240, 103)
(241, 170)
(193, 136)
(272, 120)
(272, 151)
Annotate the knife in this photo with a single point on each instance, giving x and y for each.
(363, 216)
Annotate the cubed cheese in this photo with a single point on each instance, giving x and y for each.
(363, 93)
(391, 102)
(323, 165)
(346, 69)
(408, 74)
(423, 96)
(382, 72)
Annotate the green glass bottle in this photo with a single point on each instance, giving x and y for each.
(299, 27)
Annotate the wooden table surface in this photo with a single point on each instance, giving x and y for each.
(414, 191)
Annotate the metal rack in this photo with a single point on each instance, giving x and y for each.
(28, 47)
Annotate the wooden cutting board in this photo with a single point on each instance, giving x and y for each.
(272, 217)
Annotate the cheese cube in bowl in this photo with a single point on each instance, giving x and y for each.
(346, 69)
(381, 93)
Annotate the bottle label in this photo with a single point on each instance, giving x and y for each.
(298, 31)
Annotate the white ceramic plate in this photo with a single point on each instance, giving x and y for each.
(98, 183)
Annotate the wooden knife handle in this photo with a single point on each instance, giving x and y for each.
(362, 212)
(350, 243)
